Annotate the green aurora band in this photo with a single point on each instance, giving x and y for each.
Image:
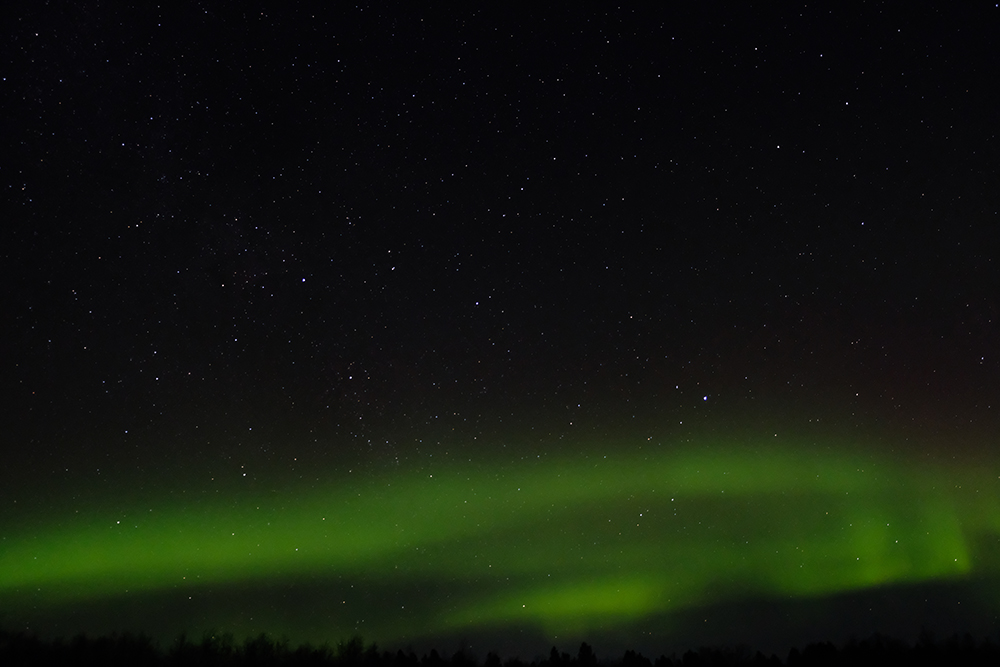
(562, 544)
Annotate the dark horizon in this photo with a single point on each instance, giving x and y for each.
(222, 649)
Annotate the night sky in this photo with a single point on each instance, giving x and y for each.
(648, 327)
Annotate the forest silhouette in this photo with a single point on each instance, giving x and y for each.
(121, 650)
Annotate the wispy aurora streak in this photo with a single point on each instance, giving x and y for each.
(560, 543)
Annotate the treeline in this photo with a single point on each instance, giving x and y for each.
(128, 650)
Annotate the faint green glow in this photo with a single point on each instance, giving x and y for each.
(562, 543)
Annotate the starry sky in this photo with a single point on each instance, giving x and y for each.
(654, 327)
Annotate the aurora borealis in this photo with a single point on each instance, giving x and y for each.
(574, 544)
(650, 327)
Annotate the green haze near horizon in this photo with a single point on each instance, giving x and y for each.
(563, 543)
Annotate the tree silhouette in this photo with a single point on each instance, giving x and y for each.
(126, 650)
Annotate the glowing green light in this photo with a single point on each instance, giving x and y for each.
(560, 543)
